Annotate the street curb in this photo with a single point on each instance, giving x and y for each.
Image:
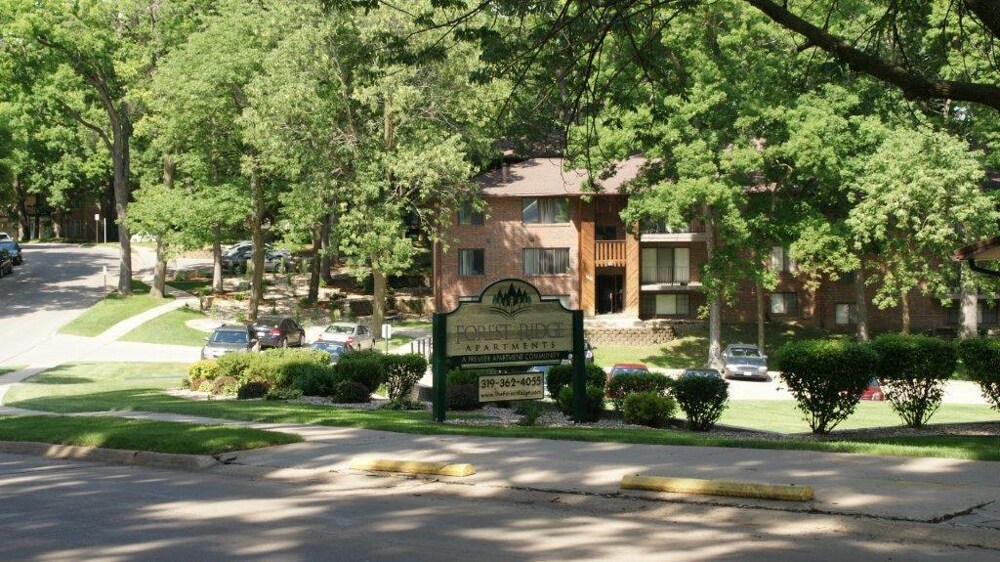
(123, 457)
(413, 467)
(717, 488)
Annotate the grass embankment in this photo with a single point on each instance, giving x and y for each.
(112, 310)
(139, 387)
(139, 435)
(783, 416)
(170, 328)
(194, 286)
(10, 369)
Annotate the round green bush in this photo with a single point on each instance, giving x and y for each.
(313, 380)
(913, 370)
(462, 396)
(363, 367)
(826, 377)
(595, 402)
(206, 369)
(402, 372)
(651, 409)
(252, 389)
(703, 400)
(562, 375)
(225, 385)
(981, 357)
(621, 386)
(235, 364)
(350, 392)
(457, 376)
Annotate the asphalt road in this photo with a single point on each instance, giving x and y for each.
(57, 510)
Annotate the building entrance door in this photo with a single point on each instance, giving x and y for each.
(610, 293)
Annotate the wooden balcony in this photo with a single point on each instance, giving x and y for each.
(609, 253)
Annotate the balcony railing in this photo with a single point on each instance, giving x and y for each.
(609, 253)
(677, 275)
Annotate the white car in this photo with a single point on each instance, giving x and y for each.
(5, 236)
(357, 336)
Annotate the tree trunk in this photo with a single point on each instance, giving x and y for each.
(217, 259)
(257, 235)
(969, 296)
(378, 304)
(315, 266)
(329, 254)
(21, 205)
(861, 303)
(159, 288)
(904, 307)
(57, 224)
(759, 288)
(122, 130)
(714, 304)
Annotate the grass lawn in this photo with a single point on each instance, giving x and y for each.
(191, 285)
(690, 349)
(112, 310)
(170, 328)
(10, 369)
(412, 324)
(783, 416)
(140, 435)
(135, 387)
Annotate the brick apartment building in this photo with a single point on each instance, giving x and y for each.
(542, 225)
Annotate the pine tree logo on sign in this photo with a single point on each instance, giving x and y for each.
(511, 302)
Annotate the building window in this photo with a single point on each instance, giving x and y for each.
(847, 278)
(780, 260)
(663, 228)
(471, 262)
(467, 214)
(544, 210)
(666, 265)
(784, 303)
(987, 314)
(665, 305)
(546, 261)
(845, 313)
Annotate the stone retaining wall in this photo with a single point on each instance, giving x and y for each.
(630, 335)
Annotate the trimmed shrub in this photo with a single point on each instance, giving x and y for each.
(235, 364)
(252, 389)
(366, 368)
(981, 357)
(402, 372)
(206, 369)
(193, 384)
(462, 396)
(456, 377)
(225, 385)
(350, 392)
(826, 377)
(313, 380)
(651, 409)
(703, 400)
(283, 394)
(562, 375)
(913, 370)
(621, 386)
(595, 402)
(529, 410)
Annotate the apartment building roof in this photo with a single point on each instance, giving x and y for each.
(538, 177)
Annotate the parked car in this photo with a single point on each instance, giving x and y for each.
(358, 336)
(588, 353)
(5, 236)
(873, 391)
(279, 331)
(627, 369)
(237, 262)
(14, 249)
(227, 339)
(335, 349)
(710, 373)
(744, 361)
(6, 263)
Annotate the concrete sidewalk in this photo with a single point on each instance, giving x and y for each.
(894, 488)
(125, 326)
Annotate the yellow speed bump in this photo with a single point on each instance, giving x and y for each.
(717, 488)
(414, 467)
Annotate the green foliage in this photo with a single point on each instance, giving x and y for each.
(403, 404)
(366, 368)
(313, 380)
(981, 357)
(225, 385)
(351, 392)
(623, 385)
(703, 400)
(595, 402)
(651, 409)
(204, 369)
(913, 370)
(529, 410)
(402, 373)
(462, 396)
(249, 390)
(458, 376)
(826, 377)
(562, 375)
(280, 394)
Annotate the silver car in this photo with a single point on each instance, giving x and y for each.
(744, 361)
(357, 336)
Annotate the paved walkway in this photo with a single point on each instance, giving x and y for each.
(125, 326)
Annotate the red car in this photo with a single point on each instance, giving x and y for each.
(627, 368)
(873, 391)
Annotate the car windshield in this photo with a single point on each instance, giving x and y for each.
(629, 371)
(9, 246)
(331, 348)
(744, 352)
(229, 336)
(269, 321)
(701, 373)
(335, 329)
